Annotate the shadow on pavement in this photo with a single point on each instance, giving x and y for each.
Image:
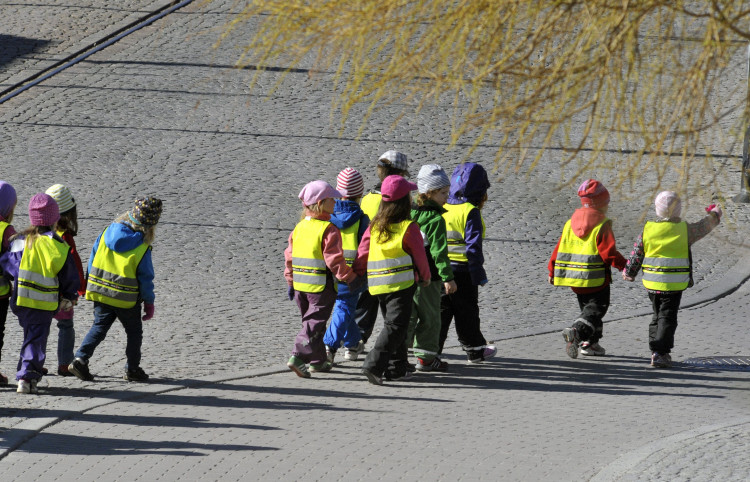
(13, 47)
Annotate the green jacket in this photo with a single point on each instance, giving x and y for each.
(431, 223)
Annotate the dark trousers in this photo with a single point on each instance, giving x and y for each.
(3, 317)
(463, 307)
(366, 314)
(396, 308)
(593, 307)
(664, 322)
(104, 316)
(315, 308)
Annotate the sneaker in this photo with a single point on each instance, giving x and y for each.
(352, 354)
(63, 371)
(34, 388)
(80, 369)
(136, 375)
(44, 371)
(24, 386)
(592, 349)
(298, 366)
(397, 374)
(436, 365)
(321, 367)
(661, 361)
(330, 355)
(571, 337)
(479, 356)
(371, 377)
(3, 379)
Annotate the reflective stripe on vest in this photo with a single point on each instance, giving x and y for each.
(113, 276)
(350, 242)
(578, 263)
(371, 203)
(4, 283)
(38, 286)
(455, 225)
(389, 267)
(666, 262)
(309, 270)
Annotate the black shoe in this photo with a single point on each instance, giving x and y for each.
(397, 374)
(136, 375)
(80, 369)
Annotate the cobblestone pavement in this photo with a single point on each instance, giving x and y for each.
(163, 112)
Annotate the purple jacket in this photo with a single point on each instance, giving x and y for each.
(469, 183)
(67, 278)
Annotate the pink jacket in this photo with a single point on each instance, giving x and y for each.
(333, 253)
(412, 243)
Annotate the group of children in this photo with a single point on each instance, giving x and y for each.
(41, 278)
(586, 251)
(420, 261)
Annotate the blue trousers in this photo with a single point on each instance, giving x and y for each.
(66, 340)
(34, 348)
(104, 316)
(343, 326)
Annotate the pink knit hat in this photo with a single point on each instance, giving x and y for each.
(349, 183)
(668, 205)
(395, 187)
(43, 210)
(593, 194)
(317, 191)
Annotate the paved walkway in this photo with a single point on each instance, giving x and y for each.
(163, 112)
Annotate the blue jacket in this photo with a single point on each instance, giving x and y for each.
(345, 214)
(469, 183)
(121, 238)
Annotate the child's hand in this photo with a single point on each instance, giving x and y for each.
(148, 309)
(424, 283)
(357, 283)
(625, 276)
(551, 280)
(713, 208)
(290, 292)
(450, 287)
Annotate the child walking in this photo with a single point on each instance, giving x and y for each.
(424, 327)
(67, 228)
(313, 258)
(465, 226)
(45, 279)
(7, 207)
(581, 260)
(352, 222)
(663, 252)
(392, 254)
(120, 279)
(390, 163)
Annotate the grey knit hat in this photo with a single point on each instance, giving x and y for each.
(395, 159)
(431, 177)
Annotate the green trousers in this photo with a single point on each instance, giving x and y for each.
(424, 325)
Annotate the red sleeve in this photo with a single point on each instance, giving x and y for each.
(68, 238)
(413, 244)
(333, 254)
(363, 252)
(9, 231)
(553, 258)
(288, 261)
(605, 243)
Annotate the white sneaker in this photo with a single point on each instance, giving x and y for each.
(353, 353)
(592, 349)
(24, 386)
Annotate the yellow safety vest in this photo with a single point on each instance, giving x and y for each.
(666, 262)
(578, 263)
(370, 204)
(4, 283)
(113, 277)
(350, 242)
(309, 270)
(389, 267)
(455, 225)
(38, 286)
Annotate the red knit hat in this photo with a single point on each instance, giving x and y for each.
(349, 183)
(593, 194)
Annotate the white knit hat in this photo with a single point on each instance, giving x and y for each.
(396, 159)
(668, 205)
(431, 177)
(61, 194)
